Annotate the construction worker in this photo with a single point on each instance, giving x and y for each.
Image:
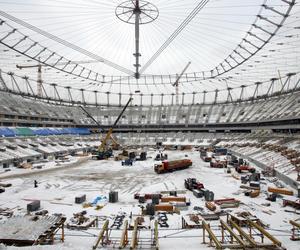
(35, 184)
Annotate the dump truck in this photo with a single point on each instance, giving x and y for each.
(170, 166)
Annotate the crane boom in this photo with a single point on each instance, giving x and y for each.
(103, 151)
(176, 83)
(123, 110)
(179, 77)
(90, 116)
(109, 133)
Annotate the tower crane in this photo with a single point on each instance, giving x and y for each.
(39, 71)
(176, 83)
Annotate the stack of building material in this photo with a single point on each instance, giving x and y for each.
(227, 203)
(210, 205)
(280, 191)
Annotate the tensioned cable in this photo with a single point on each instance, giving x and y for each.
(65, 43)
(189, 18)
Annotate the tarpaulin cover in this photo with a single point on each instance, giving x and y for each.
(24, 132)
(7, 132)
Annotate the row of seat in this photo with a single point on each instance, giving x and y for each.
(280, 107)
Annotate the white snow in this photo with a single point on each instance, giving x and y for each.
(57, 191)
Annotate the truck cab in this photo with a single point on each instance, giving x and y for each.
(159, 168)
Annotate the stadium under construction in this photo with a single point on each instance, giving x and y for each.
(159, 124)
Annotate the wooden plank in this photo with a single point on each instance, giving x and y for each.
(134, 235)
(101, 234)
(243, 233)
(212, 235)
(233, 234)
(124, 239)
(265, 233)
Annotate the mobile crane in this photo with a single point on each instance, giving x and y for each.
(103, 151)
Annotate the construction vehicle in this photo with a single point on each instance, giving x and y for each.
(192, 183)
(127, 162)
(104, 151)
(218, 162)
(161, 157)
(206, 155)
(170, 166)
(233, 160)
(220, 151)
(142, 157)
(244, 166)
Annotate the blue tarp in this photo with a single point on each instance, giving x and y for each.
(42, 131)
(7, 132)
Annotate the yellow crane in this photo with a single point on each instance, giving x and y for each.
(104, 151)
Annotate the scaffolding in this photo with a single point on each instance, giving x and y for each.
(108, 238)
(234, 237)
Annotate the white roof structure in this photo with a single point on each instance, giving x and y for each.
(91, 47)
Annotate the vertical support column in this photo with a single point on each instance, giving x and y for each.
(120, 99)
(151, 101)
(39, 81)
(193, 100)
(96, 97)
(204, 96)
(271, 86)
(172, 100)
(229, 96)
(69, 94)
(255, 94)
(130, 110)
(216, 96)
(82, 96)
(141, 102)
(137, 13)
(242, 92)
(107, 96)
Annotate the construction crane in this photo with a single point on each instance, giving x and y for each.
(176, 83)
(104, 152)
(39, 68)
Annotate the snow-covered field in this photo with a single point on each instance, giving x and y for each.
(57, 191)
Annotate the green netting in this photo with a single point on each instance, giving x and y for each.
(24, 132)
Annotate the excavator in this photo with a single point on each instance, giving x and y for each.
(104, 151)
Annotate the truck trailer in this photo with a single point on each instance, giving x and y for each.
(170, 166)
